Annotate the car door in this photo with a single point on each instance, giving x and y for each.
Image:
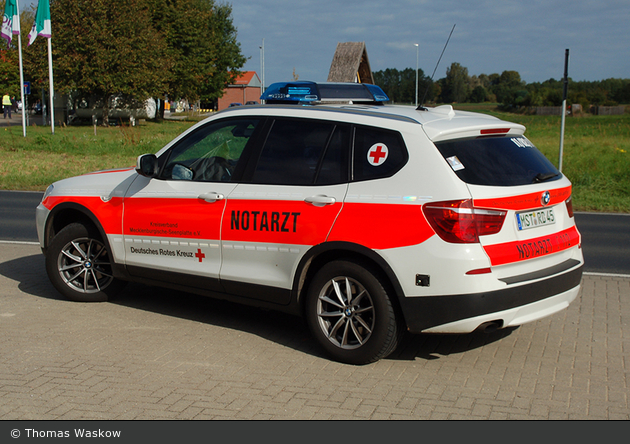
(287, 203)
(172, 222)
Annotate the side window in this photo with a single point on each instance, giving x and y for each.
(378, 153)
(211, 153)
(334, 165)
(303, 152)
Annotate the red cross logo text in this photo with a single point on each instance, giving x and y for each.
(200, 255)
(377, 154)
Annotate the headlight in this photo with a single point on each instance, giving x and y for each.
(48, 192)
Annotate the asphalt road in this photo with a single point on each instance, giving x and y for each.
(605, 237)
(17, 215)
(606, 242)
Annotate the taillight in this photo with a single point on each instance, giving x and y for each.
(457, 221)
(569, 203)
(494, 131)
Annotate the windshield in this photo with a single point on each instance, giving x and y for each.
(498, 161)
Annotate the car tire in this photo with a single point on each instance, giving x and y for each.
(79, 265)
(356, 330)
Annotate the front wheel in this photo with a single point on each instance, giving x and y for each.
(79, 265)
(350, 314)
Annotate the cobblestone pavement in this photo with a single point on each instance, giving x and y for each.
(158, 354)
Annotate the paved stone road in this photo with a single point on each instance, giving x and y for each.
(157, 354)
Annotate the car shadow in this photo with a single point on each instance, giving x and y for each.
(432, 346)
(284, 329)
(30, 274)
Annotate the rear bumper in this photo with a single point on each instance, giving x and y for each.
(514, 305)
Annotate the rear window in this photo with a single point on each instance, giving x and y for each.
(498, 161)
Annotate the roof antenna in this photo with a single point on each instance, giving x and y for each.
(421, 106)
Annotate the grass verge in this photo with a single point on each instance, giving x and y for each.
(596, 153)
(35, 161)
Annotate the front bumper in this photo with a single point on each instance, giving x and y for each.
(41, 215)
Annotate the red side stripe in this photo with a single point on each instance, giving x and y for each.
(172, 217)
(510, 252)
(108, 213)
(277, 221)
(381, 226)
(119, 170)
(524, 201)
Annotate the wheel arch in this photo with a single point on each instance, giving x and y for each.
(321, 254)
(67, 213)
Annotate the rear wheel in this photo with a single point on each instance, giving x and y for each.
(350, 313)
(79, 265)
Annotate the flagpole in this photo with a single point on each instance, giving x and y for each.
(17, 5)
(52, 91)
(41, 26)
(564, 106)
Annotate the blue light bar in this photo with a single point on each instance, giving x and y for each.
(291, 92)
(310, 92)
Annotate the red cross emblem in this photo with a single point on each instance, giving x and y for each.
(377, 154)
(200, 255)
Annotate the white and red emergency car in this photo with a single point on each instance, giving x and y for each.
(368, 219)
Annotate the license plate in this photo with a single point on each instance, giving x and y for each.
(534, 219)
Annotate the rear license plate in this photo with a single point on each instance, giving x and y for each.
(534, 219)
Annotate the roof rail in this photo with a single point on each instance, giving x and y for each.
(308, 93)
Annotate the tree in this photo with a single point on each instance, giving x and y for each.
(389, 81)
(478, 94)
(103, 49)
(455, 86)
(623, 94)
(136, 49)
(201, 44)
(400, 86)
(509, 89)
(228, 58)
(9, 72)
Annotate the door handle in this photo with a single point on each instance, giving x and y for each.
(320, 200)
(211, 197)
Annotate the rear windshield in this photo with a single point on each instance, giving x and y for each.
(498, 161)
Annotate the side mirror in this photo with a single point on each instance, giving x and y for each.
(147, 165)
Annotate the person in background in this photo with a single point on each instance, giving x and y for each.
(6, 104)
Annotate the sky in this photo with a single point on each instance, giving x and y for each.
(490, 36)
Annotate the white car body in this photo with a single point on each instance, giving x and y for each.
(260, 243)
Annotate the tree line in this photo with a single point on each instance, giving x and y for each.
(507, 89)
(131, 49)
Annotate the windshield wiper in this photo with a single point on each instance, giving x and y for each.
(543, 177)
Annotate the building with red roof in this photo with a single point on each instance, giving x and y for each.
(246, 88)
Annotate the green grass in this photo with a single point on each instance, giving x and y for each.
(35, 161)
(596, 153)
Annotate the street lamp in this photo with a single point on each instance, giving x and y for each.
(262, 66)
(417, 52)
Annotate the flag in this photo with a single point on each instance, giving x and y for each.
(10, 21)
(41, 26)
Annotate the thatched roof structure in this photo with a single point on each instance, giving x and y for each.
(350, 64)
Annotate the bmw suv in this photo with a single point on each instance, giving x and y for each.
(367, 219)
